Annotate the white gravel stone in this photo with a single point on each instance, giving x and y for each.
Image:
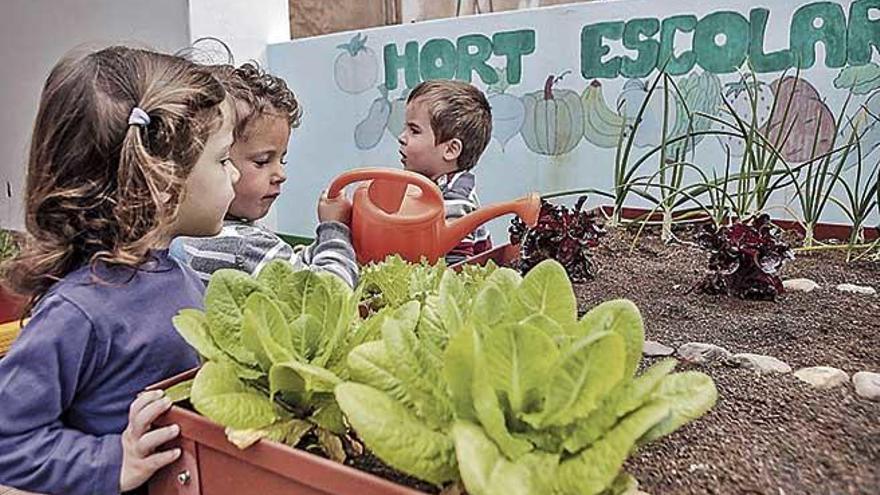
(857, 289)
(761, 363)
(867, 384)
(701, 353)
(655, 349)
(800, 285)
(823, 377)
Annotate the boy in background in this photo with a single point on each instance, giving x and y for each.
(448, 126)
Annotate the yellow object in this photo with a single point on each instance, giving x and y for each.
(8, 333)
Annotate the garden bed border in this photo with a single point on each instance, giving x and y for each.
(210, 464)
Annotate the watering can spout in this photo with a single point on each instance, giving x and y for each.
(527, 208)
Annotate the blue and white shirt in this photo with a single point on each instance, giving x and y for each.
(460, 198)
(248, 246)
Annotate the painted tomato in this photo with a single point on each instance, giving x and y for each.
(356, 68)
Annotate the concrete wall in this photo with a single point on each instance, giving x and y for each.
(246, 26)
(34, 34)
(316, 17)
(422, 10)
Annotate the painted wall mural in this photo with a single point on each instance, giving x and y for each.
(568, 84)
(508, 110)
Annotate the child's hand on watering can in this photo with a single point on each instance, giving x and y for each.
(334, 209)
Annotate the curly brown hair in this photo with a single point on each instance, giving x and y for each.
(257, 93)
(99, 189)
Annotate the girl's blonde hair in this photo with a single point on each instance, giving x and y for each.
(98, 188)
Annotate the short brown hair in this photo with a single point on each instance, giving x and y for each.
(257, 93)
(458, 110)
(98, 188)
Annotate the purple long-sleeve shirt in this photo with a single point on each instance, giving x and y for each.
(68, 381)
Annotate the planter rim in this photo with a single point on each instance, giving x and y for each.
(292, 463)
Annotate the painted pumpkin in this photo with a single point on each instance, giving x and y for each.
(554, 120)
(648, 129)
(702, 95)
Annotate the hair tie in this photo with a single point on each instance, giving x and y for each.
(138, 117)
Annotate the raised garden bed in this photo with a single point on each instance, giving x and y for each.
(769, 433)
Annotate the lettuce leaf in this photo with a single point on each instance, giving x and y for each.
(397, 435)
(217, 394)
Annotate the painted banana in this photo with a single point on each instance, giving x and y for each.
(602, 125)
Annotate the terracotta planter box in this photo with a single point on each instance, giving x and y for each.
(502, 255)
(210, 465)
(11, 305)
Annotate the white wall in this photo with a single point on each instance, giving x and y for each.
(246, 26)
(34, 34)
(349, 122)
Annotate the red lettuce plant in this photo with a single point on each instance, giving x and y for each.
(563, 234)
(744, 259)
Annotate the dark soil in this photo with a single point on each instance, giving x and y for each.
(768, 434)
(358, 457)
(367, 461)
(823, 327)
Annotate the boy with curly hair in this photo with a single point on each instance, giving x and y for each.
(266, 111)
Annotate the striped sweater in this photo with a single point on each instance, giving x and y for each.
(460, 198)
(248, 246)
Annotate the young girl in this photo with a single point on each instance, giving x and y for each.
(266, 111)
(130, 148)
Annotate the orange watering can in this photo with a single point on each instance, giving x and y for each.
(400, 212)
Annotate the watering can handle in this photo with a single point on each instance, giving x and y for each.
(428, 188)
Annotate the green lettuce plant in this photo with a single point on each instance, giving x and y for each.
(274, 347)
(508, 391)
(8, 246)
(394, 281)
